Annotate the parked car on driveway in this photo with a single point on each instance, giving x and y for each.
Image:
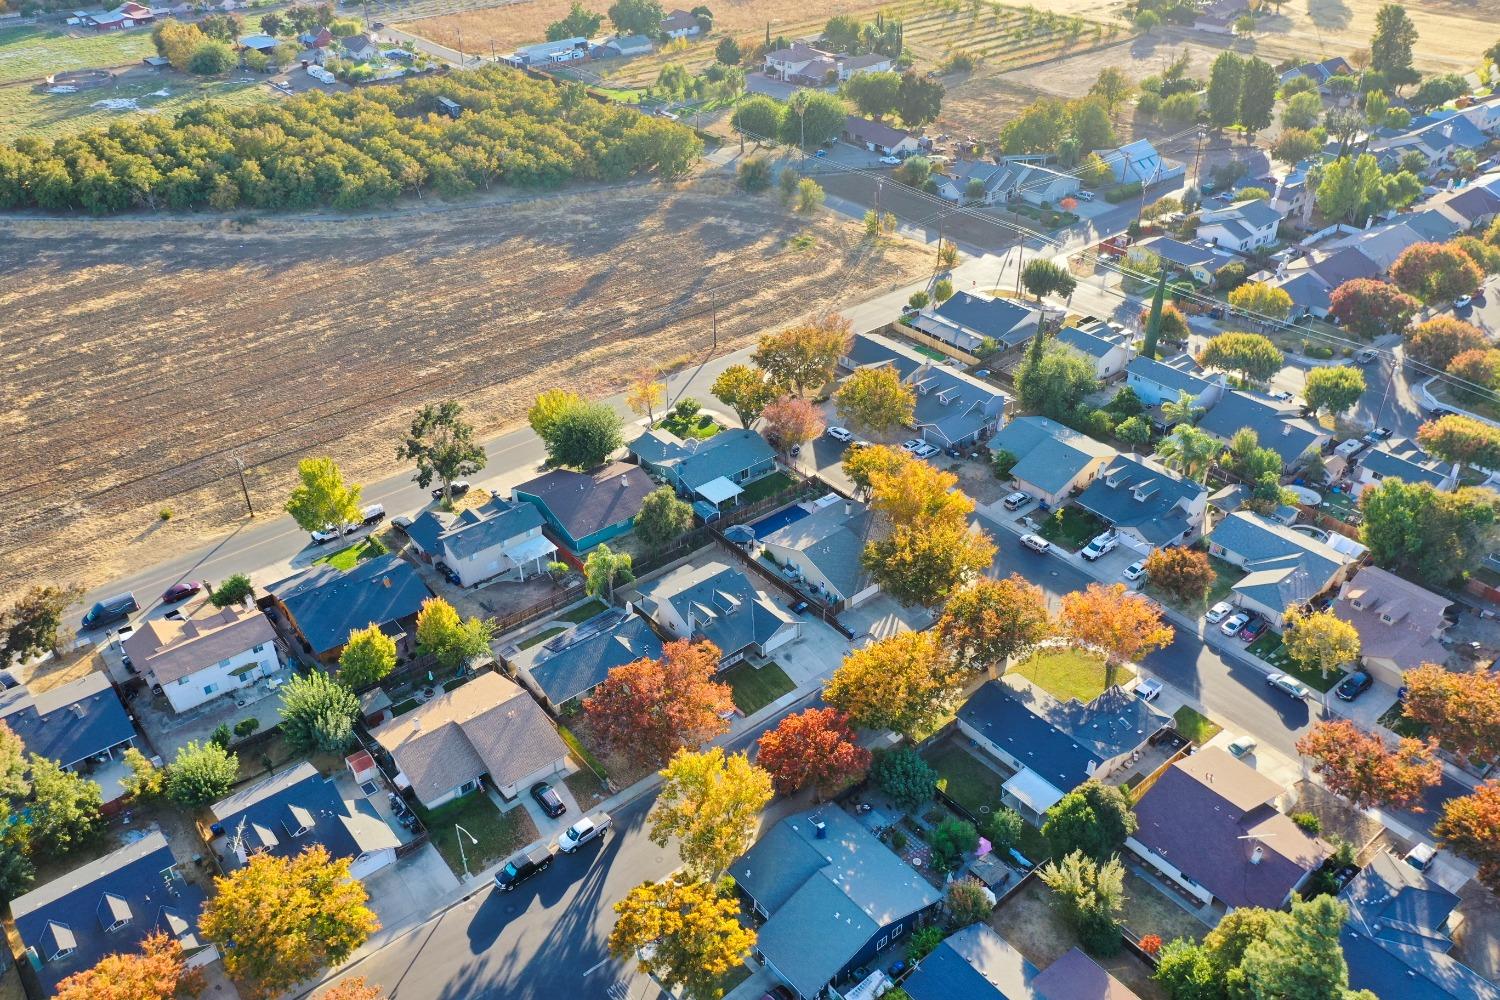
(1148, 689)
(1217, 612)
(1242, 746)
(1287, 684)
(1252, 629)
(840, 434)
(1102, 544)
(1036, 543)
(924, 450)
(546, 796)
(1017, 500)
(1232, 625)
(1353, 686)
(911, 444)
(1135, 570)
(521, 867)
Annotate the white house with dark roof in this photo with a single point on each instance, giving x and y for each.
(1401, 459)
(1241, 228)
(953, 407)
(1198, 260)
(822, 550)
(1157, 382)
(1109, 351)
(1052, 460)
(801, 63)
(1283, 567)
(870, 62)
(1320, 72)
(1278, 426)
(1147, 505)
(501, 540)
(719, 603)
(1400, 624)
(680, 24)
(965, 320)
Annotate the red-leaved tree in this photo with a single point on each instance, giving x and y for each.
(1461, 710)
(815, 747)
(156, 972)
(791, 421)
(1372, 308)
(1470, 825)
(1360, 767)
(1443, 338)
(1436, 272)
(649, 709)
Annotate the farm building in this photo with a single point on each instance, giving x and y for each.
(127, 15)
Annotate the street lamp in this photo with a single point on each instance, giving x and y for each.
(462, 855)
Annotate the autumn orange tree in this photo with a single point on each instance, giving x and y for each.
(926, 546)
(862, 464)
(989, 621)
(903, 682)
(791, 422)
(1461, 710)
(156, 972)
(288, 918)
(352, 989)
(649, 709)
(1360, 767)
(805, 356)
(1470, 825)
(813, 748)
(1184, 573)
(1123, 624)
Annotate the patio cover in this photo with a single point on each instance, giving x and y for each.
(1031, 790)
(716, 491)
(539, 547)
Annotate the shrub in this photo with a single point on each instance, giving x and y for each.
(245, 727)
(923, 943)
(232, 591)
(754, 174)
(1004, 462)
(905, 777)
(918, 300)
(1308, 822)
(1122, 192)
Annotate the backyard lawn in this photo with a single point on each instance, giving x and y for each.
(498, 834)
(964, 778)
(768, 487)
(1071, 527)
(1149, 911)
(1194, 726)
(542, 636)
(583, 612)
(348, 558)
(754, 687)
(1269, 648)
(1069, 673)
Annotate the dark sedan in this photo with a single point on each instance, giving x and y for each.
(1253, 628)
(546, 796)
(1354, 685)
(180, 591)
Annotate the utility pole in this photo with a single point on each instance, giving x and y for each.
(245, 489)
(713, 298)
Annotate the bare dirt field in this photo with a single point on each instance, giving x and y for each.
(145, 355)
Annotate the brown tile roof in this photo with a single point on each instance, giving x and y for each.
(487, 726)
(174, 648)
(1409, 638)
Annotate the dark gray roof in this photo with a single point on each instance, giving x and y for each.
(587, 502)
(1050, 455)
(832, 540)
(949, 401)
(1343, 264)
(1060, 741)
(698, 462)
(1257, 214)
(1094, 344)
(1185, 254)
(425, 531)
(1280, 429)
(329, 603)
(1412, 466)
(1283, 567)
(298, 798)
(1392, 902)
(1175, 378)
(1432, 224)
(722, 605)
(1075, 976)
(579, 659)
(1307, 290)
(137, 882)
(475, 532)
(826, 897)
(973, 964)
(879, 133)
(1130, 493)
(69, 723)
(1008, 322)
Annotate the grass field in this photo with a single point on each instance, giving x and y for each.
(32, 112)
(583, 612)
(965, 779)
(756, 688)
(1069, 673)
(31, 54)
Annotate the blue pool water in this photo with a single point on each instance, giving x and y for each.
(778, 520)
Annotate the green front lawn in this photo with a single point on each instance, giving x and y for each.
(754, 688)
(701, 426)
(582, 613)
(31, 54)
(1069, 673)
(1396, 721)
(1194, 726)
(542, 636)
(965, 779)
(498, 834)
(1269, 648)
(759, 490)
(1071, 527)
(348, 558)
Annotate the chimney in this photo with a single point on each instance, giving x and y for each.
(1286, 430)
(77, 709)
(820, 830)
(848, 508)
(416, 723)
(1258, 855)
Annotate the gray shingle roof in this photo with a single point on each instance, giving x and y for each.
(1075, 976)
(578, 660)
(68, 723)
(954, 404)
(1282, 430)
(329, 603)
(475, 532)
(698, 462)
(1175, 379)
(973, 964)
(832, 540)
(297, 798)
(722, 605)
(1134, 493)
(1051, 455)
(1412, 466)
(1096, 344)
(587, 502)
(1283, 567)
(1006, 321)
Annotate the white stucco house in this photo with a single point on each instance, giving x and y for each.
(499, 541)
(204, 653)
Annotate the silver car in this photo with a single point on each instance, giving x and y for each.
(1290, 685)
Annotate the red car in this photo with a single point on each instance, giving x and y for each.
(1253, 628)
(180, 591)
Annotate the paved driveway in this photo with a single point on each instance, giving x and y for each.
(412, 888)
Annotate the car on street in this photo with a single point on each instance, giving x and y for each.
(521, 867)
(580, 833)
(1365, 357)
(1462, 302)
(1036, 543)
(1217, 612)
(1353, 686)
(1148, 689)
(371, 514)
(1287, 684)
(1242, 746)
(1016, 500)
(1135, 570)
(457, 488)
(1378, 435)
(1233, 624)
(840, 434)
(180, 591)
(401, 523)
(1281, 395)
(110, 610)
(890, 160)
(1102, 544)
(1252, 629)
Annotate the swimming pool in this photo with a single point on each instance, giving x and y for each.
(775, 522)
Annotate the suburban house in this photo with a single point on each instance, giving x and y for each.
(1283, 567)
(1212, 825)
(1075, 976)
(1472, 206)
(1157, 382)
(1278, 426)
(80, 724)
(1438, 140)
(977, 964)
(1052, 460)
(680, 24)
(878, 137)
(1109, 350)
(107, 907)
(820, 551)
(1197, 260)
(1145, 504)
(832, 897)
(127, 15)
(1139, 163)
(1311, 279)
(1005, 181)
(586, 508)
(1320, 72)
(711, 472)
(1403, 459)
(204, 653)
(953, 407)
(1219, 15)
(719, 603)
(966, 320)
(360, 48)
(1399, 934)
(801, 63)
(320, 39)
(499, 541)
(1400, 624)
(566, 669)
(624, 45)
(1242, 227)
(1294, 196)
(324, 603)
(1053, 746)
(1384, 242)
(486, 730)
(542, 53)
(289, 812)
(870, 62)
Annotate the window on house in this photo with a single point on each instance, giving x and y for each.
(259, 649)
(181, 681)
(223, 664)
(210, 688)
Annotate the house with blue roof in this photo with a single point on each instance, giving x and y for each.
(1147, 505)
(719, 603)
(1053, 746)
(566, 668)
(1051, 460)
(81, 724)
(714, 471)
(323, 603)
(1438, 139)
(1399, 935)
(1284, 568)
(502, 540)
(1157, 382)
(1320, 72)
(1403, 459)
(1198, 260)
(975, 963)
(1139, 163)
(832, 898)
(289, 812)
(966, 321)
(109, 906)
(1277, 426)
(584, 509)
(953, 407)
(1107, 349)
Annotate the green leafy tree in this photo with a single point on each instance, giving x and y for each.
(65, 811)
(604, 569)
(1112, 87)
(1334, 390)
(16, 870)
(146, 782)
(1461, 439)
(443, 633)
(636, 17)
(967, 902)
(549, 409)
(874, 94)
(235, 590)
(919, 100)
(1300, 957)
(663, 518)
(367, 658)
(1183, 968)
(33, 624)
(951, 841)
(728, 51)
(812, 117)
(1302, 111)
(1092, 127)
(1057, 382)
(1261, 301)
(1093, 818)
(200, 774)
(584, 436)
(1254, 357)
(1294, 145)
(904, 777)
(1226, 78)
(758, 117)
(1134, 431)
(1257, 96)
(875, 400)
(1372, 308)
(745, 390)
(322, 498)
(1391, 45)
(1346, 186)
(442, 444)
(1091, 893)
(1154, 320)
(1189, 450)
(1041, 277)
(318, 714)
(580, 23)
(1415, 530)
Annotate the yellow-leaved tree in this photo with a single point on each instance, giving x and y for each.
(685, 934)
(711, 802)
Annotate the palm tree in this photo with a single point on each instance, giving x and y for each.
(1188, 450)
(1182, 410)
